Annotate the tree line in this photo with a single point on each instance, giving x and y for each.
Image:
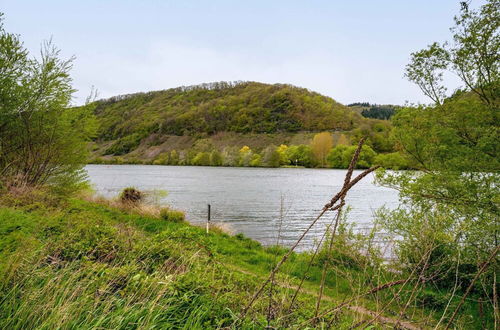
(324, 151)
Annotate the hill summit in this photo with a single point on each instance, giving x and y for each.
(145, 127)
(241, 107)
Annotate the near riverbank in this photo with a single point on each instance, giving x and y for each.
(95, 263)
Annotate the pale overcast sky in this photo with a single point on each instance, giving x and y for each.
(351, 50)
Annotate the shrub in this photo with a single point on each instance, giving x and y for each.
(201, 159)
(272, 157)
(124, 145)
(172, 215)
(341, 155)
(162, 159)
(216, 158)
(394, 160)
(301, 155)
(131, 195)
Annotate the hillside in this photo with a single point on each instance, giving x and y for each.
(144, 125)
(76, 264)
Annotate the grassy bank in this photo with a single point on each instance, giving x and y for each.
(93, 264)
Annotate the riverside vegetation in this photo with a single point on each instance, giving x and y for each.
(69, 259)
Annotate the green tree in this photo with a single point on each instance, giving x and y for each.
(42, 138)
(162, 159)
(245, 156)
(393, 160)
(174, 158)
(335, 157)
(454, 144)
(282, 150)
(201, 159)
(272, 157)
(256, 160)
(341, 155)
(301, 155)
(216, 158)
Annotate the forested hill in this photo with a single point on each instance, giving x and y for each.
(145, 126)
(241, 107)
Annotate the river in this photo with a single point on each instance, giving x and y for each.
(250, 200)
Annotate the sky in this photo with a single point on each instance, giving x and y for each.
(351, 50)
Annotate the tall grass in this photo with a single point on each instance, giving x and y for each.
(96, 264)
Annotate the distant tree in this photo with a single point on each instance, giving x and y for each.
(271, 157)
(216, 158)
(343, 140)
(246, 156)
(359, 104)
(162, 159)
(393, 160)
(301, 155)
(282, 150)
(321, 145)
(230, 156)
(341, 155)
(201, 159)
(379, 112)
(256, 160)
(174, 158)
(335, 156)
(42, 138)
(204, 145)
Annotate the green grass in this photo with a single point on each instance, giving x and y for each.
(79, 265)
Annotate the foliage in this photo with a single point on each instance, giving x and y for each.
(454, 144)
(282, 151)
(473, 56)
(172, 215)
(341, 155)
(321, 145)
(210, 108)
(394, 160)
(272, 157)
(112, 268)
(301, 155)
(201, 159)
(124, 145)
(379, 112)
(41, 136)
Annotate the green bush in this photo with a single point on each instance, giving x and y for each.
(271, 157)
(201, 159)
(394, 160)
(301, 155)
(124, 145)
(172, 215)
(341, 155)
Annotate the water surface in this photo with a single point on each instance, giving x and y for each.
(249, 200)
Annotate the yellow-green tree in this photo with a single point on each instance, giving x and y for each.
(245, 156)
(321, 145)
(282, 150)
(343, 140)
